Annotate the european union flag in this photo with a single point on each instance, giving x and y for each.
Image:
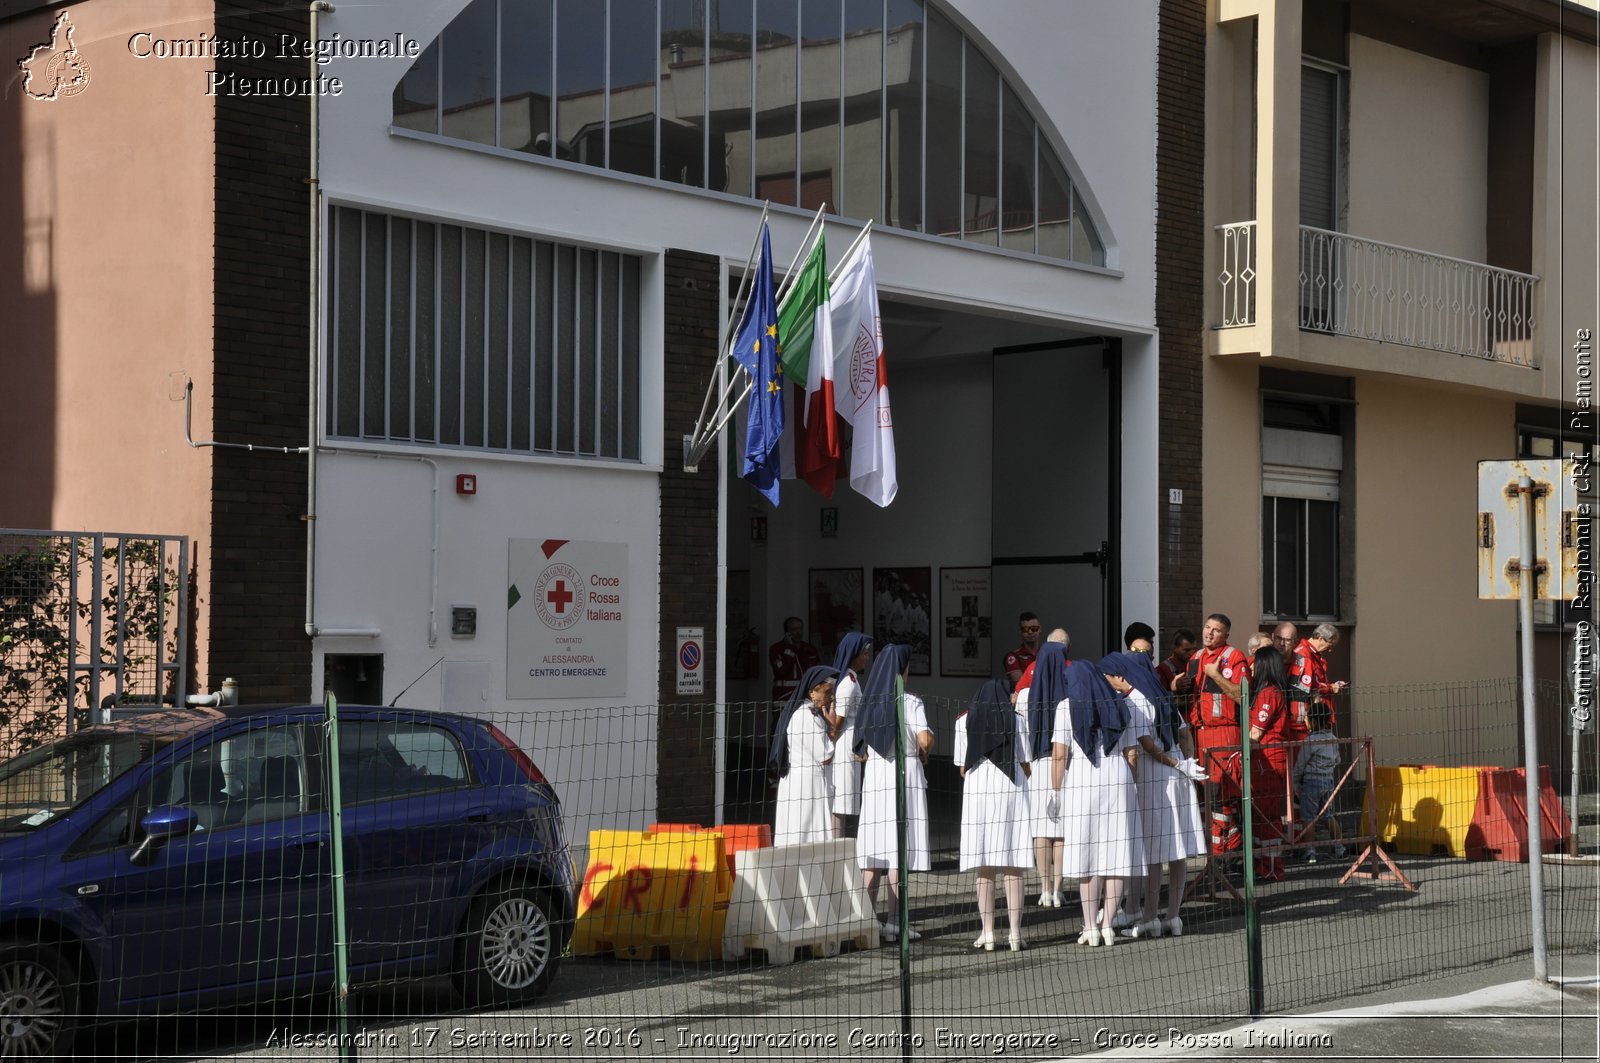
(755, 345)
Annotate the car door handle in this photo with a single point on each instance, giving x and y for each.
(478, 815)
(309, 843)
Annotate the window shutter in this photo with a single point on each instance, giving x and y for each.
(1319, 147)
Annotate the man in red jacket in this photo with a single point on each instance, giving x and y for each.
(1308, 681)
(1214, 675)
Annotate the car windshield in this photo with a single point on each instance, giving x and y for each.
(51, 781)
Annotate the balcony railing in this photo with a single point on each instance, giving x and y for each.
(1368, 289)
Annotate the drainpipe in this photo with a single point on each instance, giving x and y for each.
(314, 344)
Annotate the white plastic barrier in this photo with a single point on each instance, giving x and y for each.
(798, 896)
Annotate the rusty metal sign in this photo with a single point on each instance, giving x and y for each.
(1562, 530)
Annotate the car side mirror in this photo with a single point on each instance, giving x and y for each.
(161, 825)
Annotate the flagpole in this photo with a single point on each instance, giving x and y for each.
(806, 244)
(862, 235)
(727, 327)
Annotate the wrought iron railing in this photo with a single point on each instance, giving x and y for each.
(1370, 289)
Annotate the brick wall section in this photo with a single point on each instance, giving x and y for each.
(255, 576)
(686, 750)
(1180, 250)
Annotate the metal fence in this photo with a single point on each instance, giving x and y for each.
(655, 980)
(88, 621)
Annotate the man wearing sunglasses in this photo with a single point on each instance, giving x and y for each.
(1019, 659)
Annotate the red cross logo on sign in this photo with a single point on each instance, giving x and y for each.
(558, 596)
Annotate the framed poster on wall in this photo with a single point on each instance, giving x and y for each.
(966, 622)
(902, 610)
(836, 607)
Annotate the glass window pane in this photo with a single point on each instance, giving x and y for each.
(1086, 246)
(521, 391)
(1016, 190)
(525, 72)
(345, 402)
(683, 92)
(1322, 558)
(570, 332)
(776, 31)
(1055, 205)
(608, 355)
(427, 375)
(416, 97)
(861, 189)
(628, 400)
(374, 316)
(819, 106)
(546, 294)
(399, 328)
(943, 181)
(450, 334)
(469, 74)
(980, 192)
(474, 326)
(498, 340)
(633, 86)
(903, 80)
(732, 30)
(586, 394)
(581, 81)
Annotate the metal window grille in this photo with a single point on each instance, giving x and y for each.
(455, 336)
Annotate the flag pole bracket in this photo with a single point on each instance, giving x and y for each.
(691, 454)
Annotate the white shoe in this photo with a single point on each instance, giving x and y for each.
(1121, 919)
(912, 935)
(1150, 928)
(985, 941)
(1017, 944)
(1046, 899)
(1055, 899)
(1175, 927)
(888, 933)
(1108, 936)
(1090, 936)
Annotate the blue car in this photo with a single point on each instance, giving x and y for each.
(181, 859)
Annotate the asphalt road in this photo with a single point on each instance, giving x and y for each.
(1325, 947)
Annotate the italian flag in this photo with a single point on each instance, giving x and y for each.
(805, 353)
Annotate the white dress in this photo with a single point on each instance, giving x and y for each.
(876, 841)
(803, 793)
(1099, 808)
(1169, 814)
(994, 807)
(1040, 825)
(846, 768)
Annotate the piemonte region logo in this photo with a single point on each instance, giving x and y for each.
(56, 68)
(558, 596)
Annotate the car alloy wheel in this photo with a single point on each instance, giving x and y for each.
(509, 949)
(34, 1003)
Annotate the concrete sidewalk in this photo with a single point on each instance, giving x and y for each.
(1497, 1012)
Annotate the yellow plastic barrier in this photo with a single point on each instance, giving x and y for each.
(1422, 809)
(644, 894)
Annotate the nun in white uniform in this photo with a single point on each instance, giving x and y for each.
(991, 752)
(877, 842)
(801, 749)
(849, 660)
(1165, 775)
(1094, 753)
(1038, 701)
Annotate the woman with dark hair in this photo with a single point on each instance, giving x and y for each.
(991, 753)
(877, 842)
(799, 759)
(1269, 759)
(1093, 753)
(850, 660)
(1169, 815)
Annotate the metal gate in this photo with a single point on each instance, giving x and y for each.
(89, 621)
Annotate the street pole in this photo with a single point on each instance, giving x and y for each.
(1252, 915)
(1530, 734)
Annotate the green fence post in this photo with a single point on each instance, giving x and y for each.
(1252, 917)
(903, 916)
(341, 941)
